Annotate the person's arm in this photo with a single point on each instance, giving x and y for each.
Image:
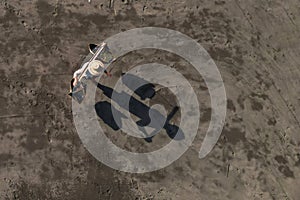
(77, 73)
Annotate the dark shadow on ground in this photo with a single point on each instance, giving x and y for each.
(137, 108)
(145, 91)
(104, 111)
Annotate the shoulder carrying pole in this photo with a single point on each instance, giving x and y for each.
(92, 59)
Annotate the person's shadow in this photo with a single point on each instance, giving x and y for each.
(105, 111)
(145, 91)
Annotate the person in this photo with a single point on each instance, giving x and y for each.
(89, 74)
(94, 68)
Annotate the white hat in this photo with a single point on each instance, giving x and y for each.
(95, 67)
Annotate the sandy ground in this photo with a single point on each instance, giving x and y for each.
(256, 47)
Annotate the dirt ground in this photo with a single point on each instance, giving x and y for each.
(254, 43)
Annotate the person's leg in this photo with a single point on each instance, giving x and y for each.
(107, 73)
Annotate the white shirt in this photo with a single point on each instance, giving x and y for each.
(79, 71)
